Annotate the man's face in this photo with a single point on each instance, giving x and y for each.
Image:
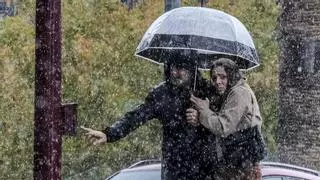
(220, 79)
(180, 76)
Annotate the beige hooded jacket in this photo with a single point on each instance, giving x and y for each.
(239, 111)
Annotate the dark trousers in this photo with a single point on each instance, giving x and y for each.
(251, 172)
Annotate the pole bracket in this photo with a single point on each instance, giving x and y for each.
(69, 118)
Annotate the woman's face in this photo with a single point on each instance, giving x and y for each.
(220, 79)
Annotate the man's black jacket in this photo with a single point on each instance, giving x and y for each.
(188, 152)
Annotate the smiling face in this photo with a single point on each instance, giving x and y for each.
(220, 79)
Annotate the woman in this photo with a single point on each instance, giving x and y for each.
(237, 122)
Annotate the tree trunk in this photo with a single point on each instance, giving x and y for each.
(171, 4)
(299, 83)
(203, 3)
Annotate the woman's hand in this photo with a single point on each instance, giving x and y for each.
(200, 104)
(193, 117)
(95, 137)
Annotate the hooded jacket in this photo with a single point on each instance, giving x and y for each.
(238, 125)
(239, 111)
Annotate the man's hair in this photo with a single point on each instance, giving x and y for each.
(188, 67)
(231, 68)
(179, 60)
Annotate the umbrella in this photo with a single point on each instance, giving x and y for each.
(202, 34)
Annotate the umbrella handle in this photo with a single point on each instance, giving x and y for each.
(195, 79)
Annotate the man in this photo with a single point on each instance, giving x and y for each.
(168, 102)
(237, 122)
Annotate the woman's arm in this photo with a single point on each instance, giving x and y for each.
(224, 122)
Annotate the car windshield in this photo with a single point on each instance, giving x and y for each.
(138, 175)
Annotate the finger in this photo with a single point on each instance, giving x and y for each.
(196, 101)
(190, 121)
(192, 97)
(98, 135)
(86, 129)
(92, 140)
(195, 98)
(192, 100)
(91, 133)
(190, 113)
(100, 141)
(193, 123)
(189, 118)
(191, 110)
(89, 136)
(195, 116)
(197, 124)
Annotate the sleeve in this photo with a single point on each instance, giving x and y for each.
(132, 120)
(225, 122)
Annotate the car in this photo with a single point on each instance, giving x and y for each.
(151, 170)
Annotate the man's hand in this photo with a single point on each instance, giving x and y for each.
(200, 104)
(95, 137)
(193, 117)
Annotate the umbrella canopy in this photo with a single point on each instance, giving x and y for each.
(202, 34)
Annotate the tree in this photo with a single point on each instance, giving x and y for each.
(171, 4)
(299, 85)
(101, 73)
(203, 3)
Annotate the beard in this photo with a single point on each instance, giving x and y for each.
(178, 82)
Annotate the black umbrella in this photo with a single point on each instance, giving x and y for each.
(202, 34)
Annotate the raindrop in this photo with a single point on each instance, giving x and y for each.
(38, 43)
(299, 69)
(40, 102)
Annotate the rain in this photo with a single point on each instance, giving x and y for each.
(101, 63)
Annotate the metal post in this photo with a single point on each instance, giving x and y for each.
(47, 133)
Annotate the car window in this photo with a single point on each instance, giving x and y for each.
(293, 178)
(282, 178)
(138, 175)
(272, 178)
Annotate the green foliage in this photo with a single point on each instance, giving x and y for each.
(102, 75)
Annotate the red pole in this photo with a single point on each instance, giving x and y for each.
(47, 134)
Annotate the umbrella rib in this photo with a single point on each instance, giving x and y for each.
(136, 54)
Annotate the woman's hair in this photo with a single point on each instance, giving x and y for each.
(231, 68)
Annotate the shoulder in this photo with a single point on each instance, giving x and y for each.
(161, 87)
(158, 90)
(241, 91)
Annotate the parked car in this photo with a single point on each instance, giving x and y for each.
(151, 170)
